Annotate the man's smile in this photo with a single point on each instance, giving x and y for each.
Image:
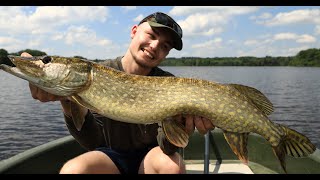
(149, 54)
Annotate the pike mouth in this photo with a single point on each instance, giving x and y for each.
(8, 64)
(6, 61)
(12, 69)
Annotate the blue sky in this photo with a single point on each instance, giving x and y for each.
(209, 31)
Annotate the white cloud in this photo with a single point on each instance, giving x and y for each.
(294, 17)
(57, 37)
(207, 31)
(259, 51)
(84, 36)
(285, 36)
(305, 38)
(10, 43)
(69, 14)
(230, 10)
(265, 16)
(251, 42)
(294, 50)
(8, 40)
(47, 19)
(203, 24)
(138, 18)
(13, 19)
(207, 20)
(317, 30)
(35, 43)
(211, 44)
(128, 8)
(261, 18)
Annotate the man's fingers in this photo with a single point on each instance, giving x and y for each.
(25, 54)
(42, 95)
(200, 126)
(207, 124)
(34, 91)
(178, 118)
(189, 124)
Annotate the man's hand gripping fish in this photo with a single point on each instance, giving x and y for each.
(236, 109)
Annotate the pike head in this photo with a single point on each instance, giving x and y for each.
(57, 75)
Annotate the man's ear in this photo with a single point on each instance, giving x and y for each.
(133, 31)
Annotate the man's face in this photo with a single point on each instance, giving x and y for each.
(149, 46)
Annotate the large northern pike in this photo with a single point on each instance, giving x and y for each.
(236, 109)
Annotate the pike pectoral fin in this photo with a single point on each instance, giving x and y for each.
(238, 143)
(77, 118)
(175, 132)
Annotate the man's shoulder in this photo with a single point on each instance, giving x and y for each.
(114, 63)
(110, 61)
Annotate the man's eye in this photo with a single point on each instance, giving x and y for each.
(166, 47)
(151, 35)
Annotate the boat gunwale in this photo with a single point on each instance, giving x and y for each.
(7, 165)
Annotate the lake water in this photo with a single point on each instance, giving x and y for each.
(294, 92)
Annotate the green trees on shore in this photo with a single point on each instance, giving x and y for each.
(228, 61)
(309, 57)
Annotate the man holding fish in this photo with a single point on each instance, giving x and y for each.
(119, 147)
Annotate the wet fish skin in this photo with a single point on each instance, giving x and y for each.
(236, 109)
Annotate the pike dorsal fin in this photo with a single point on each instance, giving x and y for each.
(257, 97)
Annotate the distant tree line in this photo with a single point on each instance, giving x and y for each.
(309, 57)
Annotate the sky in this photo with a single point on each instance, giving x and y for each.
(103, 32)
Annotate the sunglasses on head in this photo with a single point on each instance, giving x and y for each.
(164, 19)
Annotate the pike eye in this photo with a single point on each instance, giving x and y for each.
(46, 60)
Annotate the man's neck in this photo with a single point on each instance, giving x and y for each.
(131, 67)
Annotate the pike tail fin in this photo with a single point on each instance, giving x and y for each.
(238, 143)
(293, 144)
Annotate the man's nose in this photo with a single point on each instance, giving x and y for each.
(154, 44)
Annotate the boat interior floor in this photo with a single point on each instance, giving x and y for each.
(227, 167)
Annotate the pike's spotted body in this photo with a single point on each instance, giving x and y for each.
(236, 109)
(144, 99)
